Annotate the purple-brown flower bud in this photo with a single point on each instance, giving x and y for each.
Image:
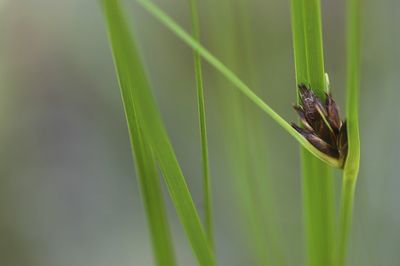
(321, 124)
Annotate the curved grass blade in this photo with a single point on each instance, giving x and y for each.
(353, 158)
(182, 34)
(208, 220)
(133, 81)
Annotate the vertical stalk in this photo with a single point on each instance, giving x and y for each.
(353, 159)
(208, 220)
(313, 45)
(299, 44)
(318, 194)
(346, 214)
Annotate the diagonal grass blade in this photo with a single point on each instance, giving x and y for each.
(182, 34)
(133, 82)
(148, 177)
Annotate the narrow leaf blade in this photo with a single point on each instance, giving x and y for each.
(145, 163)
(133, 80)
(207, 197)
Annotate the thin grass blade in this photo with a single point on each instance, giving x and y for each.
(207, 195)
(151, 194)
(133, 81)
(146, 170)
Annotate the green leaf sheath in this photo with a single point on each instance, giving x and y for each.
(353, 158)
(217, 64)
(207, 198)
(133, 81)
(317, 181)
(346, 214)
(353, 86)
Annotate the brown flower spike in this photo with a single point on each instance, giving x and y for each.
(321, 124)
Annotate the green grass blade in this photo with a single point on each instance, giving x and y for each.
(317, 181)
(313, 45)
(299, 43)
(146, 170)
(133, 82)
(175, 28)
(346, 215)
(208, 217)
(353, 159)
(152, 194)
(318, 206)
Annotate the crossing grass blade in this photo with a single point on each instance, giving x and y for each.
(217, 64)
(146, 171)
(151, 192)
(208, 217)
(138, 96)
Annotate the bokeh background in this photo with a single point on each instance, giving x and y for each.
(68, 192)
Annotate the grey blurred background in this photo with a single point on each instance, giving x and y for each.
(68, 192)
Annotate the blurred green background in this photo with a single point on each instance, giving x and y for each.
(68, 193)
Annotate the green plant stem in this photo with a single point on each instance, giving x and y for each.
(346, 213)
(207, 197)
(317, 181)
(299, 43)
(352, 165)
(217, 64)
(313, 45)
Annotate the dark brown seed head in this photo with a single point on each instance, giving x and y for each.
(321, 124)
